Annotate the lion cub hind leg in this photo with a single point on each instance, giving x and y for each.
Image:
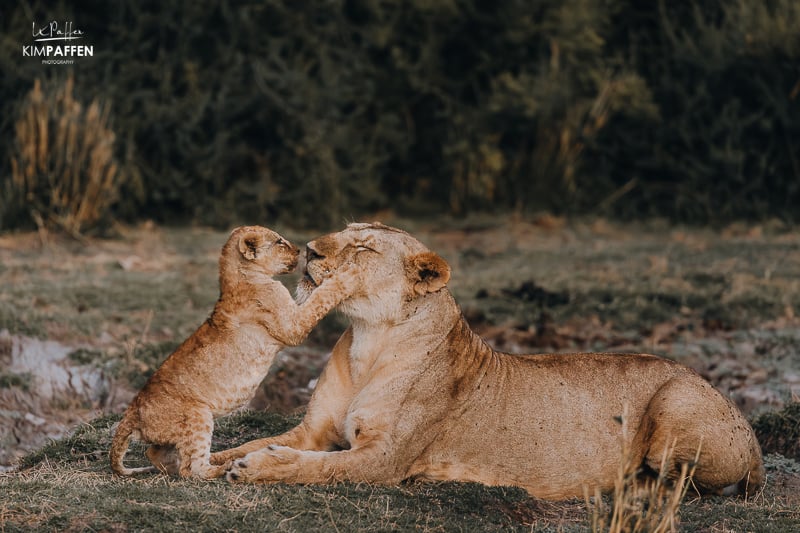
(164, 458)
(127, 428)
(687, 414)
(194, 446)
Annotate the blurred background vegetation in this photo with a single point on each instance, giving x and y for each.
(312, 113)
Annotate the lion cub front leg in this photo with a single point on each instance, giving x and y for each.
(290, 323)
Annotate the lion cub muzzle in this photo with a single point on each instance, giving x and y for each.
(294, 258)
(288, 254)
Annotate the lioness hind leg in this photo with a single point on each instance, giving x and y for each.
(686, 415)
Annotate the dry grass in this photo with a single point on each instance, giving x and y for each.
(641, 505)
(64, 172)
(69, 481)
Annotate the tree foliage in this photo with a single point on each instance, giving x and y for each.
(315, 112)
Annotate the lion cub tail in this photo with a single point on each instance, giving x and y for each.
(119, 447)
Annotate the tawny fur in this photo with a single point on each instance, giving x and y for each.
(411, 391)
(219, 367)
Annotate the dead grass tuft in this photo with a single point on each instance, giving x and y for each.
(641, 504)
(64, 173)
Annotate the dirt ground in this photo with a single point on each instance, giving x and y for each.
(83, 324)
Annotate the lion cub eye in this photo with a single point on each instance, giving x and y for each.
(363, 248)
(281, 242)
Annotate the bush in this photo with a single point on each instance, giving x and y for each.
(726, 144)
(313, 113)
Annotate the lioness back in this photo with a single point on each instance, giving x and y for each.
(549, 417)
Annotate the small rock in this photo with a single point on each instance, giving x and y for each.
(758, 376)
(35, 420)
(792, 378)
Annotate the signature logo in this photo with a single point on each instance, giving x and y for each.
(52, 32)
(54, 53)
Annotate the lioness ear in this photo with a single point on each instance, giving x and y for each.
(250, 244)
(427, 272)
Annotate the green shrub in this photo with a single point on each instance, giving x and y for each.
(726, 145)
(779, 431)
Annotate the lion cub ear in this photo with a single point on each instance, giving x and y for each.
(250, 245)
(427, 271)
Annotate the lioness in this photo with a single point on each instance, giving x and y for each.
(220, 366)
(411, 391)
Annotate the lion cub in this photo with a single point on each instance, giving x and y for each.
(220, 366)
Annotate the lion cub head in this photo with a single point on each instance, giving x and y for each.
(392, 268)
(259, 249)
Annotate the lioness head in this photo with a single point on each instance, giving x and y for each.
(261, 249)
(392, 268)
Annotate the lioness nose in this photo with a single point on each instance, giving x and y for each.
(311, 253)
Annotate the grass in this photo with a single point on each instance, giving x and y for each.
(20, 381)
(633, 279)
(779, 431)
(67, 485)
(162, 504)
(74, 489)
(641, 505)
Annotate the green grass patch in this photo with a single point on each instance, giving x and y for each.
(779, 431)
(68, 485)
(21, 381)
(75, 489)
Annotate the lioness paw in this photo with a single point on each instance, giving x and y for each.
(344, 275)
(274, 463)
(234, 471)
(238, 471)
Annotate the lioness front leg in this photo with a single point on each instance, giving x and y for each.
(294, 438)
(317, 431)
(283, 464)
